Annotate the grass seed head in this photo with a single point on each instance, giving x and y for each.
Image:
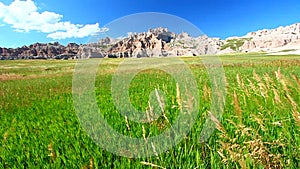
(127, 123)
(178, 97)
(152, 165)
(296, 116)
(237, 107)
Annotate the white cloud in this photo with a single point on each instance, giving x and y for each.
(79, 31)
(23, 16)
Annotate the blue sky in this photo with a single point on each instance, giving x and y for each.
(29, 21)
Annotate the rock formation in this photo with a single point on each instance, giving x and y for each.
(268, 40)
(160, 42)
(149, 44)
(40, 51)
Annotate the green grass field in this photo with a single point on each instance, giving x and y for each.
(260, 127)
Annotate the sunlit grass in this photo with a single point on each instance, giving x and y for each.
(260, 127)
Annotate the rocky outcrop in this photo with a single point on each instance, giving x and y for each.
(40, 51)
(160, 42)
(90, 51)
(141, 45)
(51, 51)
(268, 40)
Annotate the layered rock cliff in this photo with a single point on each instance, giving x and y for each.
(267, 40)
(160, 42)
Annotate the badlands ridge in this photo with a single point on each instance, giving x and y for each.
(160, 42)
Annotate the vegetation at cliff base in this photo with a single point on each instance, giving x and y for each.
(234, 44)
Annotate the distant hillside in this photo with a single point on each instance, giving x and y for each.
(160, 42)
(281, 39)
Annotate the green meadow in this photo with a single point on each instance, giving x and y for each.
(260, 126)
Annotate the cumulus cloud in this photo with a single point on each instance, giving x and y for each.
(23, 16)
